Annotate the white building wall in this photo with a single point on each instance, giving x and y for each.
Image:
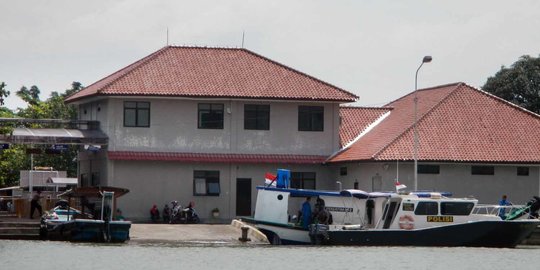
(173, 128)
(159, 182)
(453, 177)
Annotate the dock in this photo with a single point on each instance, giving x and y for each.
(18, 228)
(28, 229)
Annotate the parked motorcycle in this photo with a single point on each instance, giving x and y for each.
(183, 215)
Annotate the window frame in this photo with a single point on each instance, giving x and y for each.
(203, 124)
(343, 171)
(137, 109)
(419, 207)
(209, 177)
(428, 169)
(453, 211)
(308, 117)
(302, 178)
(261, 118)
(482, 170)
(522, 171)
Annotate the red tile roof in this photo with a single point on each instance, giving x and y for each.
(354, 120)
(218, 158)
(457, 123)
(212, 72)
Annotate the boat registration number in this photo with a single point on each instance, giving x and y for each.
(339, 209)
(440, 219)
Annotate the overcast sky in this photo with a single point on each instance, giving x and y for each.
(370, 48)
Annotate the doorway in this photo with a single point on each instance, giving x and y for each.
(243, 196)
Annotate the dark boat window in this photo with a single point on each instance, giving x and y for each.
(456, 208)
(370, 205)
(390, 214)
(426, 208)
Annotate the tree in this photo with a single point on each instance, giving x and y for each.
(30, 96)
(519, 84)
(4, 93)
(14, 159)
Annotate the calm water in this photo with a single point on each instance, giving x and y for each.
(61, 255)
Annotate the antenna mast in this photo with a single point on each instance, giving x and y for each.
(167, 36)
(243, 34)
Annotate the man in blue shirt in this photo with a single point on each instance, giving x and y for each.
(503, 202)
(306, 213)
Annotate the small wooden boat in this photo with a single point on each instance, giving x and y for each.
(66, 223)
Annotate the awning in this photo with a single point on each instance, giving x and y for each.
(10, 188)
(55, 136)
(61, 181)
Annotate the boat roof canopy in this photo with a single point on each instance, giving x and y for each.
(92, 192)
(314, 193)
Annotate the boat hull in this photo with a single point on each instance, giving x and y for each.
(502, 234)
(84, 230)
(281, 234)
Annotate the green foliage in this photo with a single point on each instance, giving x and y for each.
(11, 162)
(4, 93)
(519, 84)
(15, 159)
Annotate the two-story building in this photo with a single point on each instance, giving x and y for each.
(204, 125)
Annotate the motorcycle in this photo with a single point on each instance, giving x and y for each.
(183, 215)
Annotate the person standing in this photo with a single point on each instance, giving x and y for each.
(35, 204)
(306, 213)
(154, 213)
(503, 202)
(166, 213)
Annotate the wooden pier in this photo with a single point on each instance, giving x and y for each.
(18, 228)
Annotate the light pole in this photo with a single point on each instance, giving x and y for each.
(426, 59)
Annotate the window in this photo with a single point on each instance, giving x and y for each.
(426, 208)
(482, 170)
(310, 118)
(305, 180)
(408, 206)
(210, 116)
(206, 183)
(456, 208)
(428, 169)
(257, 117)
(523, 171)
(136, 114)
(343, 171)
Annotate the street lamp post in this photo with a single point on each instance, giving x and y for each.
(426, 59)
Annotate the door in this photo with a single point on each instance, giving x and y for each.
(243, 196)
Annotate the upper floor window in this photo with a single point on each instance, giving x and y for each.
(428, 169)
(210, 116)
(482, 170)
(257, 117)
(206, 183)
(343, 171)
(305, 180)
(136, 114)
(310, 118)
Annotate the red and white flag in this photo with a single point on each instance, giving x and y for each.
(399, 186)
(270, 179)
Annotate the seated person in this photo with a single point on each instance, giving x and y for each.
(154, 214)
